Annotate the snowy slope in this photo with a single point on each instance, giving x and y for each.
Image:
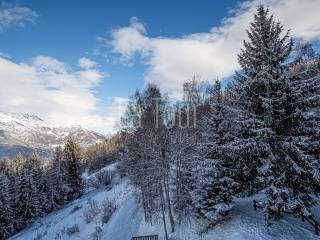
(123, 224)
(127, 221)
(25, 132)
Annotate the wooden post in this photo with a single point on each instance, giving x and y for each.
(316, 228)
(302, 218)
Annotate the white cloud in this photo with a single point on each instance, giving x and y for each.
(130, 40)
(48, 64)
(50, 89)
(211, 54)
(86, 63)
(12, 15)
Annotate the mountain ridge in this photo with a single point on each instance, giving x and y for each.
(26, 133)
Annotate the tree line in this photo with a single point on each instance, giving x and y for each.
(31, 188)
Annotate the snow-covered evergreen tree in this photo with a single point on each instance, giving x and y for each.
(305, 74)
(289, 172)
(205, 169)
(58, 177)
(216, 179)
(26, 203)
(293, 173)
(47, 191)
(6, 211)
(34, 168)
(73, 156)
(262, 61)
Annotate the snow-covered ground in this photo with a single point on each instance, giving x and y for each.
(54, 226)
(128, 221)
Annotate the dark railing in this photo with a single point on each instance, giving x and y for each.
(309, 219)
(151, 237)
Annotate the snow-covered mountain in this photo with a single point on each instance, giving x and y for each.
(26, 133)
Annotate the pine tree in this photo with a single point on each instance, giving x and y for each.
(26, 202)
(263, 65)
(34, 169)
(6, 211)
(289, 171)
(293, 176)
(305, 73)
(73, 155)
(262, 61)
(216, 183)
(49, 200)
(58, 177)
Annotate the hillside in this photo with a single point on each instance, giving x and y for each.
(128, 221)
(25, 133)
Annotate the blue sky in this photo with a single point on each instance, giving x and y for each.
(68, 30)
(128, 43)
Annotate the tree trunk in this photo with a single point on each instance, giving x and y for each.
(163, 212)
(144, 206)
(166, 187)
